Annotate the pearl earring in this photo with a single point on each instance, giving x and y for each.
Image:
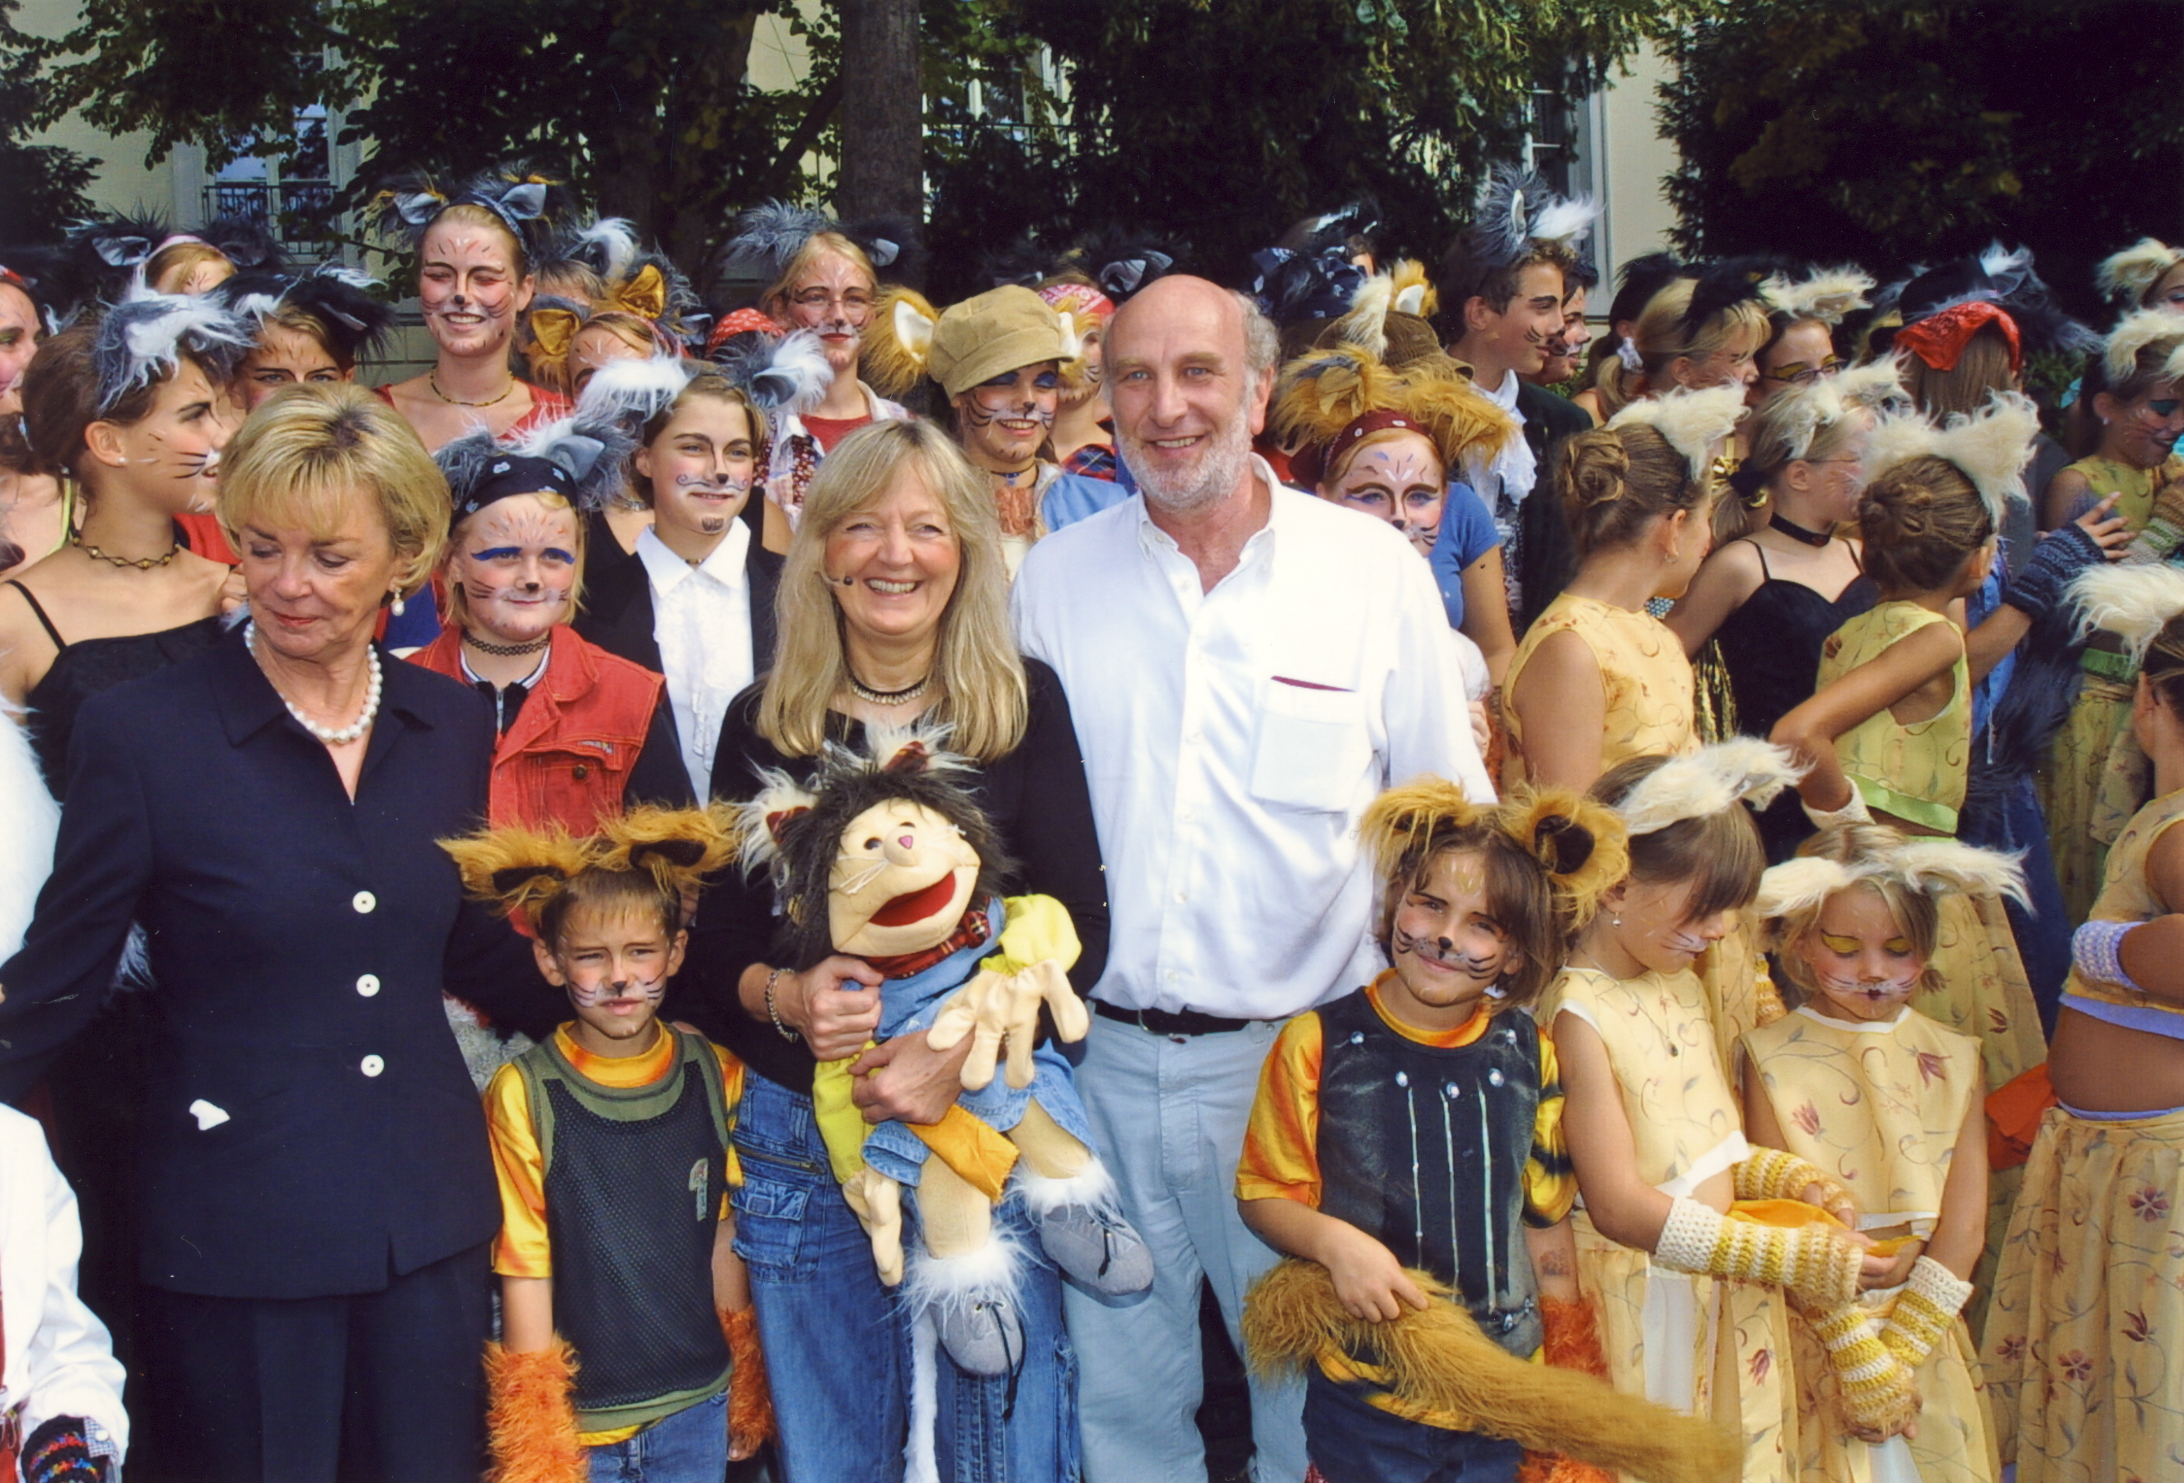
(397, 608)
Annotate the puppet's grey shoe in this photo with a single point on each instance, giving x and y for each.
(1082, 1228)
(972, 1297)
(983, 1338)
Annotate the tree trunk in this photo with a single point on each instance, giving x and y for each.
(883, 112)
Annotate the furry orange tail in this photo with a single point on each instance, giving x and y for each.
(530, 1421)
(750, 1399)
(1440, 1360)
(1573, 1343)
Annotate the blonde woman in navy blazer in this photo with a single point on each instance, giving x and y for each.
(318, 1192)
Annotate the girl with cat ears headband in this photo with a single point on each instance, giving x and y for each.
(1548, 855)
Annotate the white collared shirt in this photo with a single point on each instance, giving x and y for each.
(1232, 739)
(701, 617)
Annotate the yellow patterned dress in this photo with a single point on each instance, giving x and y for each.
(1644, 675)
(1649, 691)
(1880, 1107)
(2089, 1299)
(1702, 1346)
(2095, 777)
(1916, 772)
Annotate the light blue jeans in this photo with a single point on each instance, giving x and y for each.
(838, 1348)
(690, 1446)
(1168, 1115)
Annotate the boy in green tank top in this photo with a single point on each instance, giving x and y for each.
(629, 1348)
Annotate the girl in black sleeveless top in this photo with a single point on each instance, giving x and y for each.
(1772, 595)
(131, 409)
(140, 433)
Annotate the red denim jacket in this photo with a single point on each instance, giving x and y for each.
(568, 756)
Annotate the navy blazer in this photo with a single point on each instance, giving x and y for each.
(309, 1128)
(618, 614)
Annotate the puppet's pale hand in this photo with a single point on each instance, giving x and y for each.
(997, 1007)
(877, 1203)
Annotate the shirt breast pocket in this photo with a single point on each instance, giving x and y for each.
(1312, 749)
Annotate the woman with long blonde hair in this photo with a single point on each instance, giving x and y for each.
(893, 608)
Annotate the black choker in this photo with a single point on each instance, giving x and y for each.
(1814, 538)
(903, 696)
(508, 651)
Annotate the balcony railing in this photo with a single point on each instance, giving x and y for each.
(301, 212)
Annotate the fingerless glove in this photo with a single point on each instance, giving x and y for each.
(1815, 1262)
(1873, 1388)
(1923, 1311)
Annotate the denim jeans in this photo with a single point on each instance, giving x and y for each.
(838, 1348)
(1354, 1441)
(690, 1446)
(1168, 1114)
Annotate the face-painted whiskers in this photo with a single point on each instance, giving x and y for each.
(647, 989)
(1443, 950)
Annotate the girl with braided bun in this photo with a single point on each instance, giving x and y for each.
(1598, 679)
(1858, 1083)
(1689, 1237)
(628, 1346)
(1406, 1150)
(2080, 1339)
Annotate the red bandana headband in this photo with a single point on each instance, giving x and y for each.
(1939, 339)
(742, 322)
(1310, 464)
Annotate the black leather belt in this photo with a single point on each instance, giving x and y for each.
(1169, 1022)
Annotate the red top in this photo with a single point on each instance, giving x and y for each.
(201, 532)
(831, 430)
(546, 405)
(566, 759)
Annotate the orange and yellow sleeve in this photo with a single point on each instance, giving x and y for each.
(1281, 1143)
(522, 1248)
(1550, 1180)
(731, 1097)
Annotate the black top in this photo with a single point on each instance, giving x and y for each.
(602, 552)
(1041, 811)
(1547, 554)
(309, 1128)
(82, 670)
(1770, 645)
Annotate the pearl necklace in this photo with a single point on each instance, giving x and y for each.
(327, 734)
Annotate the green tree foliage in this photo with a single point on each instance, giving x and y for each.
(42, 185)
(642, 105)
(1890, 132)
(1221, 121)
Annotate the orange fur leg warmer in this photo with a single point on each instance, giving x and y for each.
(530, 1420)
(1439, 1359)
(750, 1400)
(1573, 1343)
